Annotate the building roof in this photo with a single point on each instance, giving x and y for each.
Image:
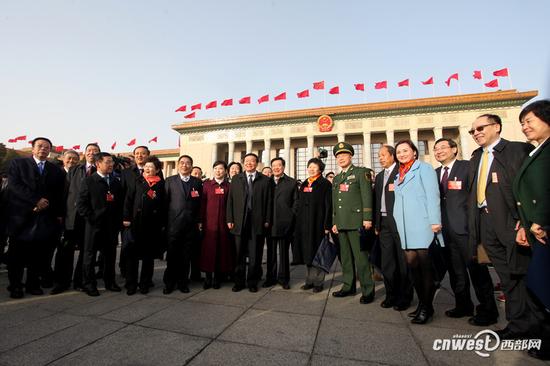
(401, 107)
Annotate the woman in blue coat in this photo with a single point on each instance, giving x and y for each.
(418, 216)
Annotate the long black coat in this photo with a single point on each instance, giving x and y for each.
(183, 209)
(147, 216)
(26, 187)
(74, 179)
(454, 202)
(508, 158)
(285, 206)
(262, 202)
(313, 218)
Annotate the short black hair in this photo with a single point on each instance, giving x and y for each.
(493, 118)
(235, 163)
(451, 142)
(251, 154)
(278, 158)
(101, 155)
(317, 162)
(540, 108)
(141, 147)
(92, 144)
(267, 167)
(197, 167)
(43, 139)
(67, 152)
(153, 159)
(220, 162)
(185, 156)
(411, 145)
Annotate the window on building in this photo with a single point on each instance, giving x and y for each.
(301, 163)
(375, 163)
(423, 148)
(260, 155)
(280, 153)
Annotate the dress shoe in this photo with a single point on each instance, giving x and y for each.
(386, 303)
(482, 320)
(216, 284)
(307, 286)
(317, 289)
(17, 293)
(401, 307)
(237, 288)
(540, 354)
(34, 291)
(207, 284)
(343, 293)
(506, 333)
(412, 314)
(58, 290)
(131, 291)
(91, 291)
(458, 313)
(253, 288)
(367, 299)
(268, 283)
(144, 290)
(184, 289)
(424, 315)
(113, 287)
(167, 290)
(285, 286)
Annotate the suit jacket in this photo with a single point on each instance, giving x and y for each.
(350, 208)
(508, 158)
(389, 195)
(262, 203)
(26, 187)
(74, 179)
(454, 202)
(129, 177)
(285, 206)
(93, 204)
(183, 208)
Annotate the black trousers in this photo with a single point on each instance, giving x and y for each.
(249, 244)
(397, 276)
(21, 255)
(519, 303)
(132, 269)
(280, 272)
(106, 240)
(64, 258)
(178, 259)
(196, 256)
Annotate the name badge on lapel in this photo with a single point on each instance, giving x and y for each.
(219, 190)
(391, 187)
(109, 197)
(454, 184)
(194, 193)
(343, 187)
(308, 189)
(494, 177)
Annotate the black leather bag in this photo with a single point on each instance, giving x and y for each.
(437, 255)
(326, 254)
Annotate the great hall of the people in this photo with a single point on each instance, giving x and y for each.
(298, 135)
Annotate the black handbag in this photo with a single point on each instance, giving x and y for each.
(437, 256)
(375, 254)
(326, 254)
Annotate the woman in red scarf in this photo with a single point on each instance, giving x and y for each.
(144, 220)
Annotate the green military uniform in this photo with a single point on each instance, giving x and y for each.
(352, 201)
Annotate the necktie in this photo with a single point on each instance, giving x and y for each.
(140, 171)
(41, 167)
(185, 178)
(249, 193)
(482, 178)
(444, 180)
(106, 178)
(88, 170)
(250, 180)
(383, 198)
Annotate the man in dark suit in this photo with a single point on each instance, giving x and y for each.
(453, 187)
(397, 280)
(183, 198)
(35, 211)
(285, 205)
(73, 237)
(249, 216)
(493, 216)
(100, 203)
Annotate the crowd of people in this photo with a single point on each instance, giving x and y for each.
(493, 208)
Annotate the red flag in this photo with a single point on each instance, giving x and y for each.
(21, 138)
(11, 141)
(227, 102)
(453, 76)
(429, 81)
(190, 115)
(492, 84)
(59, 148)
(183, 108)
(381, 85)
(501, 72)
(360, 87)
(132, 142)
(212, 104)
(113, 145)
(244, 100)
(196, 106)
(319, 85)
(281, 96)
(76, 147)
(263, 99)
(303, 94)
(335, 90)
(154, 139)
(403, 83)
(477, 75)
(30, 142)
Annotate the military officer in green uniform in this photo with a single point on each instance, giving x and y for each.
(352, 209)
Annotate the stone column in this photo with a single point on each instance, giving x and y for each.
(267, 151)
(286, 147)
(367, 158)
(230, 151)
(413, 133)
(465, 142)
(310, 141)
(248, 146)
(438, 133)
(214, 153)
(390, 137)
(341, 137)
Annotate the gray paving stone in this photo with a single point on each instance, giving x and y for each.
(235, 354)
(104, 306)
(144, 307)
(194, 318)
(57, 345)
(267, 328)
(368, 341)
(137, 346)
(318, 360)
(26, 314)
(298, 303)
(350, 308)
(224, 296)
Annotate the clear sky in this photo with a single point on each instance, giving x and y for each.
(80, 71)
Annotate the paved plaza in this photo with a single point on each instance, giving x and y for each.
(219, 327)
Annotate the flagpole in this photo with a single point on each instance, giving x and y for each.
(387, 95)
(433, 89)
(459, 88)
(510, 78)
(324, 97)
(410, 95)
(482, 83)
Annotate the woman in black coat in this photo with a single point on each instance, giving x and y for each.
(144, 220)
(313, 220)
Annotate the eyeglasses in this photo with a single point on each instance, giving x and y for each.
(479, 128)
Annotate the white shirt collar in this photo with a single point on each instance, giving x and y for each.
(101, 175)
(185, 177)
(491, 147)
(390, 168)
(536, 148)
(38, 161)
(219, 181)
(450, 165)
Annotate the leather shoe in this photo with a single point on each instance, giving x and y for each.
(401, 307)
(413, 314)
(317, 289)
(367, 299)
(113, 287)
(458, 313)
(386, 304)
(34, 291)
(237, 288)
(58, 290)
(17, 293)
(342, 293)
(207, 284)
(253, 288)
(216, 285)
(91, 291)
(144, 290)
(481, 320)
(285, 286)
(268, 284)
(184, 289)
(423, 316)
(307, 286)
(540, 354)
(506, 333)
(131, 291)
(168, 290)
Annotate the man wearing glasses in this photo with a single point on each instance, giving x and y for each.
(493, 217)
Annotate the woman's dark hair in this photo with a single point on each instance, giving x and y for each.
(540, 108)
(411, 145)
(329, 173)
(153, 159)
(317, 162)
(220, 162)
(237, 164)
